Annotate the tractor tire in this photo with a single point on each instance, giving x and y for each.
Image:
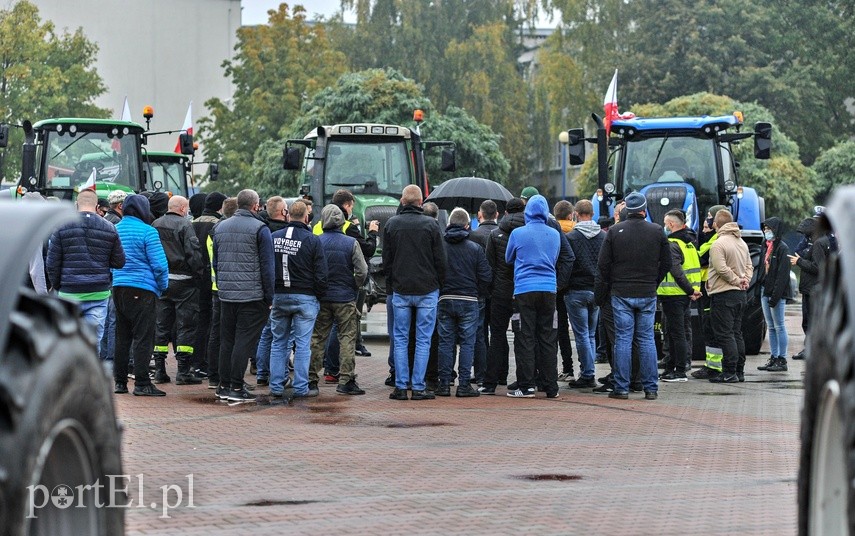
(753, 327)
(58, 428)
(827, 460)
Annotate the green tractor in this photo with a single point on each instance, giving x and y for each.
(173, 172)
(375, 162)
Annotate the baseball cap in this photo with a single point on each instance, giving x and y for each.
(116, 197)
(528, 191)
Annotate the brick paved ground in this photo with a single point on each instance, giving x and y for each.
(703, 459)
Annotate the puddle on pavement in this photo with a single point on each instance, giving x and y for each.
(554, 478)
(261, 401)
(267, 502)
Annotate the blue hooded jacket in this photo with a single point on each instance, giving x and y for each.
(145, 262)
(533, 250)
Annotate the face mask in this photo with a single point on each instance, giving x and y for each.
(769, 235)
(709, 223)
(667, 231)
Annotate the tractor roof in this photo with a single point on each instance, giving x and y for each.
(89, 124)
(659, 126)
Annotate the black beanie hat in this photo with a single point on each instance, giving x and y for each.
(197, 204)
(214, 201)
(515, 205)
(159, 202)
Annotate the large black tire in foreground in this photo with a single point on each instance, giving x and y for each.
(827, 464)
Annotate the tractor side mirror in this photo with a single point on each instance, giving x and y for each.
(4, 135)
(762, 141)
(185, 143)
(214, 171)
(449, 162)
(291, 158)
(576, 146)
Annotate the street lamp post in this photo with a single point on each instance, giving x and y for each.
(563, 139)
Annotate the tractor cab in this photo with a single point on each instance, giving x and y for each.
(168, 172)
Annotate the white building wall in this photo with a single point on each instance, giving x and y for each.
(163, 53)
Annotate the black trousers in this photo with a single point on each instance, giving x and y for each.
(537, 351)
(805, 313)
(564, 344)
(135, 309)
(203, 326)
(726, 320)
(676, 311)
(240, 328)
(177, 312)
(501, 311)
(214, 340)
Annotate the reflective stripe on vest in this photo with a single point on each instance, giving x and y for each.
(317, 229)
(714, 357)
(691, 267)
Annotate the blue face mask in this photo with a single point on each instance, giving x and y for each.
(667, 231)
(769, 235)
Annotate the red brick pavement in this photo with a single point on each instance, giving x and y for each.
(703, 459)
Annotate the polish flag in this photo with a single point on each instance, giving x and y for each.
(188, 126)
(610, 106)
(90, 182)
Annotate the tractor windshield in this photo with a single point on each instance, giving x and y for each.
(71, 160)
(367, 166)
(168, 176)
(672, 159)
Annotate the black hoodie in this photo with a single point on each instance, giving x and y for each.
(503, 273)
(776, 281)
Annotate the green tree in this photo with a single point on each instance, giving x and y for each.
(42, 75)
(384, 96)
(835, 167)
(786, 184)
(276, 67)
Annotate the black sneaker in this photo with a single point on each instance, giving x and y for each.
(605, 379)
(521, 393)
(261, 382)
(350, 388)
(241, 396)
(768, 363)
(248, 387)
(704, 373)
(199, 373)
(674, 377)
(740, 376)
(799, 356)
(187, 379)
(422, 395)
(121, 388)
(650, 395)
(466, 391)
(362, 351)
(222, 393)
(485, 390)
(161, 377)
(443, 389)
(148, 390)
(552, 395)
(620, 395)
(582, 383)
(398, 394)
(390, 380)
(604, 388)
(780, 365)
(725, 378)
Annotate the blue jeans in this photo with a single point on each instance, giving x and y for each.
(634, 320)
(390, 329)
(584, 315)
(262, 353)
(458, 321)
(292, 318)
(108, 340)
(424, 307)
(778, 339)
(95, 314)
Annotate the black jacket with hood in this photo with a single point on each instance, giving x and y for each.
(776, 279)
(503, 273)
(468, 275)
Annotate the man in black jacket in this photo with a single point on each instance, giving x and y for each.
(487, 215)
(633, 261)
(501, 298)
(211, 215)
(301, 279)
(414, 259)
(468, 277)
(178, 307)
(810, 260)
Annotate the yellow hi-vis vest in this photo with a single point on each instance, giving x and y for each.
(691, 267)
(210, 245)
(318, 229)
(703, 250)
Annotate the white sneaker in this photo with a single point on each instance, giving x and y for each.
(522, 393)
(566, 377)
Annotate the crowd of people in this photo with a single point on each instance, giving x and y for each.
(232, 283)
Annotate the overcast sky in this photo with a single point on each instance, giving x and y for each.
(255, 11)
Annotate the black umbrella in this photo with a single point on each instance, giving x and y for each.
(469, 193)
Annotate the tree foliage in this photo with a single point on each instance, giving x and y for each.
(384, 96)
(786, 184)
(276, 67)
(42, 75)
(835, 167)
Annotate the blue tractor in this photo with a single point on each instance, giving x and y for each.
(685, 163)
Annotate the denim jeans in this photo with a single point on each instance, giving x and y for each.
(292, 318)
(390, 329)
(262, 354)
(778, 339)
(95, 314)
(584, 315)
(108, 341)
(634, 319)
(424, 309)
(458, 321)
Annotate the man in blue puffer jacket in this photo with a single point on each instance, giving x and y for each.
(79, 259)
(136, 287)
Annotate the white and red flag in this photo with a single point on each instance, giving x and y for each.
(90, 182)
(610, 106)
(187, 127)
